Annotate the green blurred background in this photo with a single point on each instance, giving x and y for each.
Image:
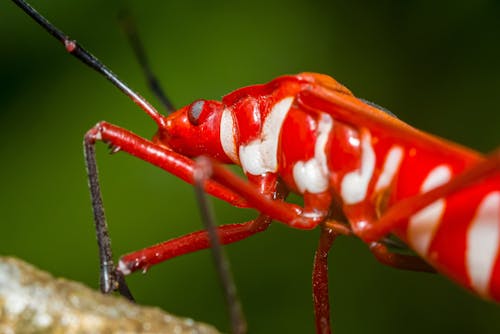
(435, 64)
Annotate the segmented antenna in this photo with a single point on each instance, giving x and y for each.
(110, 278)
(87, 58)
(135, 42)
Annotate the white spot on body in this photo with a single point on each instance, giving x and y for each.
(353, 141)
(260, 155)
(423, 224)
(312, 175)
(438, 176)
(391, 166)
(354, 185)
(251, 158)
(227, 135)
(483, 243)
(309, 177)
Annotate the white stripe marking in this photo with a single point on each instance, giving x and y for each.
(355, 184)
(261, 155)
(325, 125)
(312, 175)
(308, 177)
(227, 135)
(391, 166)
(482, 243)
(423, 224)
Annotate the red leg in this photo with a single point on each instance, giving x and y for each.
(159, 156)
(145, 258)
(120, 139)
(383, 254)
(287, 213)
(399, 261)
(320, 281)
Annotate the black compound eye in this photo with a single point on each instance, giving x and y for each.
(194, 112)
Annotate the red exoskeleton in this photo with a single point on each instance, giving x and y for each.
(360, 171)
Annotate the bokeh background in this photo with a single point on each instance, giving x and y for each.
(435, 64)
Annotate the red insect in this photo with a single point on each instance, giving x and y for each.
(301, 133)
(360, 170)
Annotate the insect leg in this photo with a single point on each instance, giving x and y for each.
(189, 243)
(399, 261)
(382, 252)
(320, 280)
(143, 259)
(168, 160)
(284, 212)
(238, 322)
(110, 280)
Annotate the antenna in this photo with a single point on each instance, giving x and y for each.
(88, 59)
(130, 29)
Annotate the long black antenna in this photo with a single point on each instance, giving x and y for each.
(130, 29)
(87, 58)
(111, 279)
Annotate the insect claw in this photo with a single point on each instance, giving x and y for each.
(122, 287)
(114, 149)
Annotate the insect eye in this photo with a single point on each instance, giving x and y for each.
(195, 111)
